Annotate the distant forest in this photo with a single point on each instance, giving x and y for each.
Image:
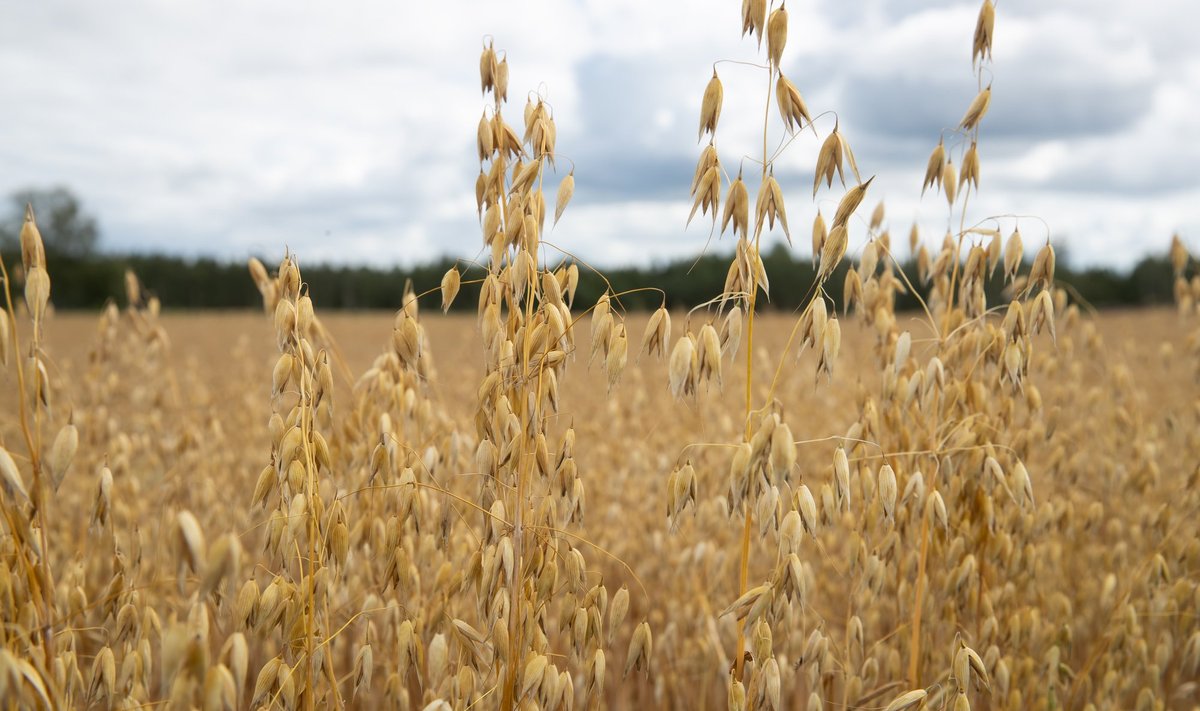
(89, 281)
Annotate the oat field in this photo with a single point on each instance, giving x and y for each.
(548, 504)
(169, 583)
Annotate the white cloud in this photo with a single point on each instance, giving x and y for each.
(346, 130)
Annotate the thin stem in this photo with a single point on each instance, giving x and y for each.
(747, 514)
(914, 662)
(32, 444)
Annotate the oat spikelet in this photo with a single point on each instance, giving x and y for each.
(737, 208)
(994, 252)
(481, 188)
(62, 453)
(812, 324)
(617, 611)
(618, 353)
(708, 159)
(977, 110)
(907, 700)
(500, 79)
(487, 68)
(829, 161)
(970, 168)
(746, 602)
(777, 26)
(707, 188)
(736, 695)
(1042, 271)
(682, 368)
(13, 484)
(852, 291)
(981, 45)
(832, 252)
(710, 107)
(819, 234)
(709, 355)
(754, 18)
(658, 333)
(770, 207)
(485, 140)
(933, 170)
(566, 189)
(641, 650)
(877, 216)
(451, 281)
(832, 347)
(850, 202)
(1014, 252)
(33, 251)
(791, 105)
(189, 541)
(37, 294)
(103, 505)
(887, 490)
(949, 181)
(731, 332)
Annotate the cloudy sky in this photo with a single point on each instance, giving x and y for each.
(345, 130)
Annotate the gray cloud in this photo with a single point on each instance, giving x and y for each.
(1022, 108)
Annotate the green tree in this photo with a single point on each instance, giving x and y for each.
(67, 229)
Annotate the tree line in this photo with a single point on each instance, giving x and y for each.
(89, 281)
(86, 277)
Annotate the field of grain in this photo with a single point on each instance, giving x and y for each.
(985, 503)
(1096, 573)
